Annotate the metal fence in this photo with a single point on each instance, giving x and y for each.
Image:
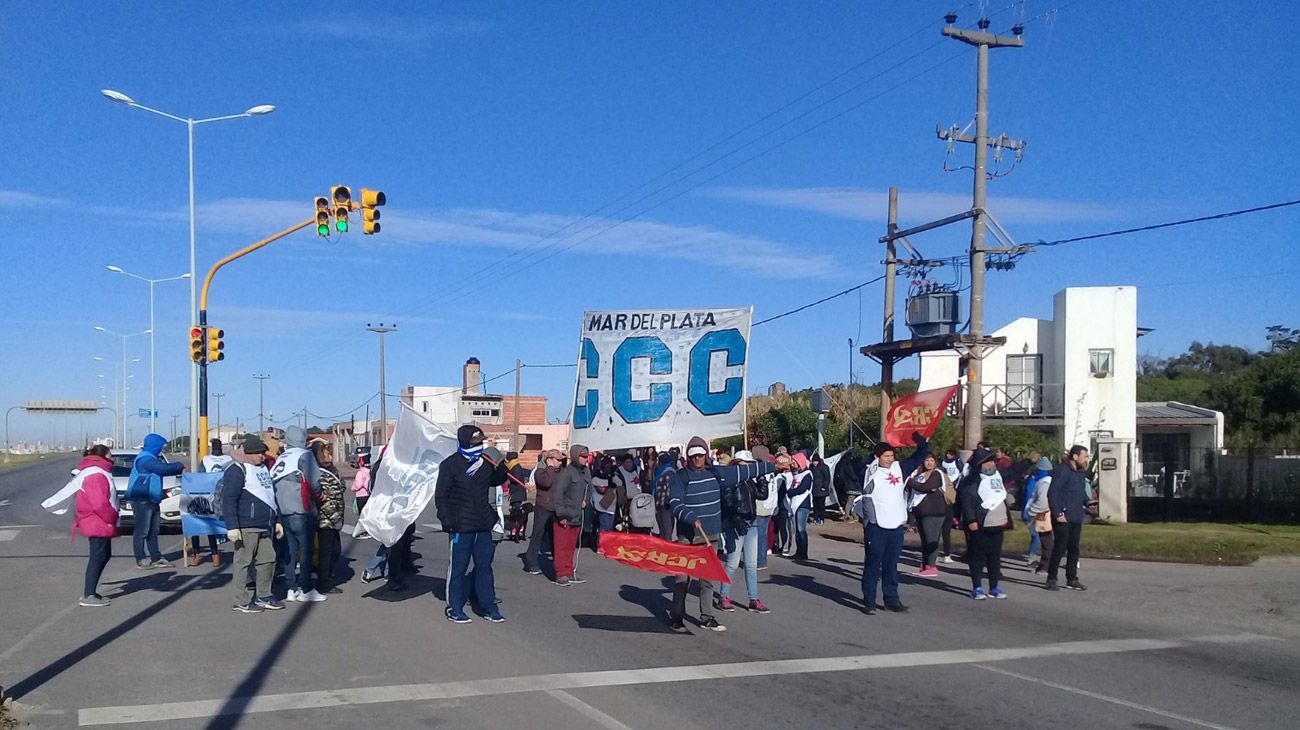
(1257, 485)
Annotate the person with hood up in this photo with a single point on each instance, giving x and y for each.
(145, 493)
(821, 487)
(696, 501)
(544, 510)
(466, 509)
(329, 527)
(955, 468)
(1042, 468)
(666, 465)
(883, 511)
(985, 516)
(571, 487)
(1037, 513)
(248, 507)
(296, 476)
(96, 518)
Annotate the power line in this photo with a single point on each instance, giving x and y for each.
(823, 300)
(1171, 224)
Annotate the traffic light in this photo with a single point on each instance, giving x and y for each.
(341, 196)
(370, 200)
(322, 217)
(198, 346)
(215, 345)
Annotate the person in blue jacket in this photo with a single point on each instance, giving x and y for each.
(145, 492)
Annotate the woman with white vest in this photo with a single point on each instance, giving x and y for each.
(985, 516)
(883, 511)
(765, 510)
(800, 496)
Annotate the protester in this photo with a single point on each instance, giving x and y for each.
(544, 510)
(462, 499)
(800, 495)
(249, 510)
(296, 476)
(572, 485)
(929, 485)
(1038, 514)
(1068, 501)
(765, 509)
(627, 483)
(696, 501)
(883, 511)
(821, 488)
(1042, 469)
(96, 518)
(955, 468)
(330, 523)
(361, 483)
(517, 488)
(605, 498)
(145, 492)
(215, 461)
(847, 477)
(740, 541)
(780, 537)
(985, 516)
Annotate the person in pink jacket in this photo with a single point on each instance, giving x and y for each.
(96, 518)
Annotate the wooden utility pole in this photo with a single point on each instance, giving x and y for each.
(516, 442)
(891, 276)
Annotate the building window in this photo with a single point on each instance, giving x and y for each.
(424, 405)
(495, 412)
(1101, 363)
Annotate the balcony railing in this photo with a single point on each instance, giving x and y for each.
(1001, 400)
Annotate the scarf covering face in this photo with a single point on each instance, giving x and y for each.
(473, 454)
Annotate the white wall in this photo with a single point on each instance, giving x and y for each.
(1089, 318)
(436, 403)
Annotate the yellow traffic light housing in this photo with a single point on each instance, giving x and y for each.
(370, 200)
(215, 345)
(197, 344)
(322, 217)
(341, 198)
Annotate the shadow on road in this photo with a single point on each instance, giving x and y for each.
(622, 624)
(416, 586)
(809, 585)
(164, 581)
(232, 710)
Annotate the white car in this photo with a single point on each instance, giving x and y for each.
(123, 459)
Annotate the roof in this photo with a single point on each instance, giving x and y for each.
(1173, 413)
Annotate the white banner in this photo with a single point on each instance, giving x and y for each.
(408, 471)
(659, 377)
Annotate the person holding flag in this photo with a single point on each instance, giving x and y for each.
(465, 511)
(882, 508)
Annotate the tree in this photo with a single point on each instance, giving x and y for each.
(1282, 339)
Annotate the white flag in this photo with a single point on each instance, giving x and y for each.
(408, 471)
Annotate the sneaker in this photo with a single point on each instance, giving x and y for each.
(270, 603)
(930, 572)
(312, 596)
(143, 564)
(762, 567)
(563, 582)
(1051, 585)
(724, 604)
(998, 592)
(457, 617)
(1031, 560)
(870, 610)
(678, 624)
(94, 601)
(710, 623)
(533, 571)
(246, 608)
(947, 559)
(978, 594)
(896, 607)
(161, 563)
(575, 580)
(495, 618)
(293, 596)
(757, 606)
(366, 576)
(1075, 585)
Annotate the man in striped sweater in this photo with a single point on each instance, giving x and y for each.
(695, 499)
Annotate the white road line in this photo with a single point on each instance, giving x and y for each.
(7, 535)
(612, 678)
(592, 713)
(1105, 698)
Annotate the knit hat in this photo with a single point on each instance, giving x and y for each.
(980, 456)
(800, 460)
(1045, 464)
(253, 444)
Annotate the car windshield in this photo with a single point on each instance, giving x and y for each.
(122, 464)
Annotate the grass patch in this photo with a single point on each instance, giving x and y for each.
(12, 460)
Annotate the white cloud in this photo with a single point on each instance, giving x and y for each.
(388, 29)
(274, 322)
(872, 205)
(21, 199)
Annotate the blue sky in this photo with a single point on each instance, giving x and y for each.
(492, 125)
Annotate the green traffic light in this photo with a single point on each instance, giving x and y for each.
(323, 230)
(341, 225)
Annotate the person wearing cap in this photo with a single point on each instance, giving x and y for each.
(883, 510)
(462, 497)
(695, 497)
(248, 507)
(571, 487)
(985, 516)
(740, 540)
(543, 508)
(764, 509)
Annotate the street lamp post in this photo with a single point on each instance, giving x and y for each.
(190, 123)
(261, 423)
(124, 336)
(218, 396)
(382, 329)
(153, 393)
(119, 398)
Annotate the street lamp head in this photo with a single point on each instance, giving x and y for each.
(186, 275)
(116, 269)
(260, 109)
(117, 96)
(147, 332)
(100, 329)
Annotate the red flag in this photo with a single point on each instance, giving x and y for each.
(916, 412)
(649, 553)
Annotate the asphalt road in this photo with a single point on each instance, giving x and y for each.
(1149, 646)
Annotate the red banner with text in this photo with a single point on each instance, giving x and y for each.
(916, 412)
(649, 553)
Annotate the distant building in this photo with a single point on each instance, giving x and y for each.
(776, 389)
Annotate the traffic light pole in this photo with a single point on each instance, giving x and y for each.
(199, 440)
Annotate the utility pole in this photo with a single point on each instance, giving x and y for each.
(983, 41)
(891, 276)
(516, 442)
(261, 418)
(218, 396)
(382, 329)
(850, 398)
(174, 417)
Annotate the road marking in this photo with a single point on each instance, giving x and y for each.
(37, 632)
(592, 713)
(4, 503)
(166, 711)
(7, 535)
(1105, 698)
